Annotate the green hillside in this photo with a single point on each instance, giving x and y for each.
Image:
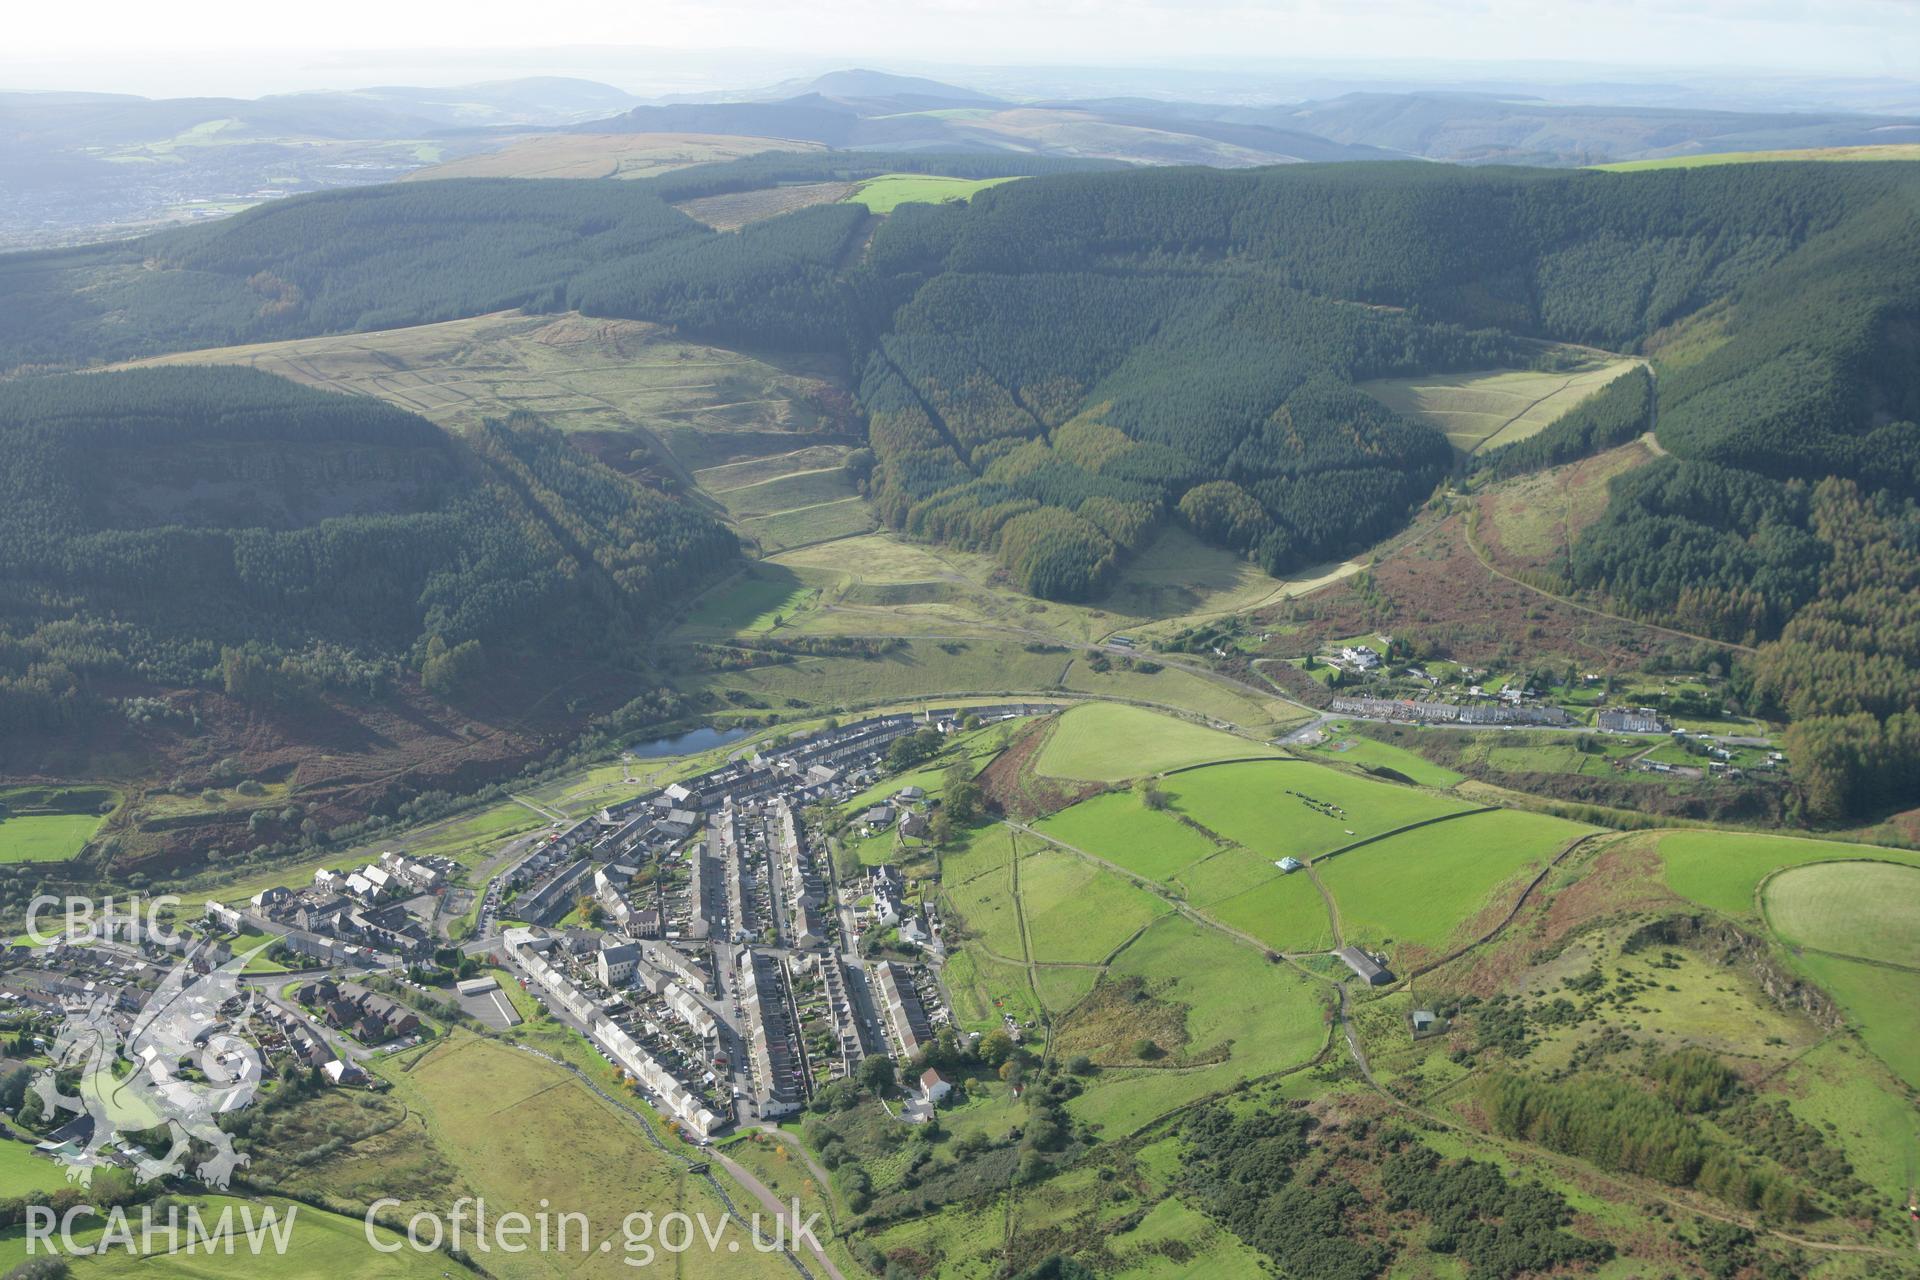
(1056, 369)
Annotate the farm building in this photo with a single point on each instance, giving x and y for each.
(1364, 966)
(1289, 864)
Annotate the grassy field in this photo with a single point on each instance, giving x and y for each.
(1423, 889)
(23, 1173)
(973, 1241)
(925, 670)
(750, 602)
(1120, 828)
(1866, 909)
(522, 1130)
(1210, 983)
(1294, 807)
(1842, 1088)
(1104, 742)
(45, 837)
(1883, 1005)
(246, 940)
(1370, 753)
(1284, 911)
(976, 880)
(889, 191)
(323, 1246)
(1484, 410)
(984, 988)
(601, 155)
(1889, 151)
(1076, 912)
(1722, 869)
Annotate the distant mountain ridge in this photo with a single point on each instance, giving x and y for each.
(87, 166)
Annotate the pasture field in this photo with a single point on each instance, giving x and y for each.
(924, 670)
(1244, 1017)
(1226, 874)
(1550, 759)
(1296, 807)
(519, 1129)
(1120, 828)
(983, 989)
(1423, 889)
(601, 155)
(919, 670)
(1886, 151)
(1723, 869)
(1105, 742)
(1061, 987)
(22, 1172)
(1680, 997)
(1357, 749)
(1483, 410)
(1882, 1004)
(1870, 910)
(1077, 912)
(976, 883)
(791, 499)
(46, 837)
(1284, 911)
(889, 191)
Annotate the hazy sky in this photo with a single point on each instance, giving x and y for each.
(235, 46)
